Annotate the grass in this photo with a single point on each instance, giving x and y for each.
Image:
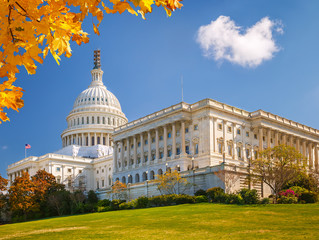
(196, 221)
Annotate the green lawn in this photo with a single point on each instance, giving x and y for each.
(197, 221)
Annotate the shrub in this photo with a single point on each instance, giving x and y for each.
(249, 196)
(156, 201)
(201, 198)
(233, 199)
(200, 192)
(142, 202)
(128, 205)
(104, 209)
(299, 190)
(104, 203)
(287, 200)
(92, 197)
(265, 201)
(116, 203)
(309, 197)
(216, 194)
(182, 199)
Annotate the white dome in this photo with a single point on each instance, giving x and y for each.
(97, 95)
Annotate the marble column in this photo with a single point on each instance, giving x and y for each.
(142, 147)
(108, 139)
(165, 142)
(95, 139)
(89, 139)
(128, 151)
(316, 157)
(284, 137)
(310, 155)
(83, 140)
(122, 154)
(157, 144)
(135, 151)
(261, 147)
(183, 138)
(173, 140)
(298, 144)
(268, 138)
(149, 146)
(276, 138)
(115, 164)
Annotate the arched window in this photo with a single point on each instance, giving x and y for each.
(98, 120)
(144, 176)
(117, 179)
(160, 172)
(137, 178)
(110, 180)
(152, 175)
(92, 141)
(98, 140)
(239, 152)
(123, 179)
(92, 120)
(129, 179)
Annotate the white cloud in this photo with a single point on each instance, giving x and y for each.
(4, 147)
(223, 40)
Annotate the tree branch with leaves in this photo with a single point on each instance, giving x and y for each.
(29, 30)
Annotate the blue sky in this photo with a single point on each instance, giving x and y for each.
(143, 62)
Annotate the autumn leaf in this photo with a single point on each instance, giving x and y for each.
(32, 29)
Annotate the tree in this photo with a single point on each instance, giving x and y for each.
(31, 29)
(172, 183)
(3, 184)
(22, 195)
(119, 190)
(43, 181)
(277, 166)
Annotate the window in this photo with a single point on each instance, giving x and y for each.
(146, 142)
(78, 121)
(178, 151)
(132, 145)
(255, 154)
(196, 127)
(82, 120)
(153, 140)
(187, 149)
(186, 130)
(220, 148)
(102, 183)
(230, 150)
(97, 171)
(220, 126)
(177, 133)
(255, 136)
(229, 129)
(103, 120)
(125, 148)
(264, 138)
(92, 120)
(247, 153)
(153, 156)
(196, 148)
(80, 171)
(103, 170)
(247, 134)
(161, 155)
(58, 169)
(58, 180)
(238, 131)
(139, 144)
(97, 185)
(169, 135)
(271, 140)
(161, 137)
(239, 152)
(69, 182)
(169, 153)
(87, 120)
(98, 120)
(69, 170)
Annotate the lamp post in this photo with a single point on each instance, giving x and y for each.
(166, 165)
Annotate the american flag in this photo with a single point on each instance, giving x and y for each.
(27, 146)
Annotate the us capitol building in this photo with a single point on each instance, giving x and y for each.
(100, 146)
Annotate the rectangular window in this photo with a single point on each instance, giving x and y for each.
(169, 153)
(169, 135)
(186, 130)
(196, 127)
(69, 170)
(196, 148)
(264, 138)
(102, 183)
(239, 152)
(146, 142)
(58, 169)
(256, 154)
(161, 155)
(161, 137)
(92, 120)
(220, 126)
(87, 120)
(153, 140)
(230, 150)
(255, 136)
(153, 156)
(103, 120)
(97, 185)
(177, 133)
(187, 149)
(229, 129)
(97, 171)
(178, 151)
(247, 153)
(247, 134)
(103, 170)
(139, 144)
(80, 171)
(98, 120)
(238, 131)
(132, 146)
(82, 120)
(219, 147)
